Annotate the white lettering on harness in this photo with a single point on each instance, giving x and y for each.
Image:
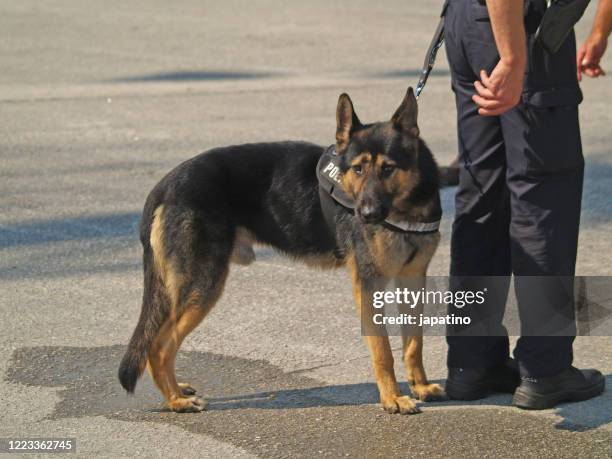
(333, 172)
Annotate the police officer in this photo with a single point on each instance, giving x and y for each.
(519, 194)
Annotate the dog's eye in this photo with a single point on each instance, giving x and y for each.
(357, 169)
(387, 169)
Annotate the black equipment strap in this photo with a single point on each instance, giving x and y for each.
(558, 21)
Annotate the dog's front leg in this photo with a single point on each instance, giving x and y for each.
(412, 340)
(391, 398)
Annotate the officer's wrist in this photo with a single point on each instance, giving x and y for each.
(514, 60)
(599, 35)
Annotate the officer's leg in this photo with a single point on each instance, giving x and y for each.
(545, 174)
(480, 240)
(545, 170)
(545, 203)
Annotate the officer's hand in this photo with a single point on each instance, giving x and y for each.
(500, 91)
(590, 54)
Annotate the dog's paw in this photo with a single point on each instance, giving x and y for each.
(187, 389)
(428, 392)
(188, 405)
(402, 404)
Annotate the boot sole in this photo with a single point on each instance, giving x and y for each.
(532, 401)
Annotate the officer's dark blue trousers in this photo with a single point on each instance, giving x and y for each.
(518, 201)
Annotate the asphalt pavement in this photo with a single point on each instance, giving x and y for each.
(98, 100)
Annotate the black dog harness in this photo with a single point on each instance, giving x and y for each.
(332, 196)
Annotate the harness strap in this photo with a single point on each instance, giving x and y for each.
(327, 187)
(328, 207)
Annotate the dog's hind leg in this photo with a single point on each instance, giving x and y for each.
(181, 397)
(193, 264)
(162, 357)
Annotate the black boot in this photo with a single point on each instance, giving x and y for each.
(476, 383)
(571, 385)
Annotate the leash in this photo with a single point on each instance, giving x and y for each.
(432, 51)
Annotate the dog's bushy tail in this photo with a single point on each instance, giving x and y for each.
(449, 175)
(152, 316)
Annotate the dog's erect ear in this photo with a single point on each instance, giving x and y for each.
(346, 122)
(405, 117)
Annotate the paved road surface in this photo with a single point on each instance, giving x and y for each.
(98, 100)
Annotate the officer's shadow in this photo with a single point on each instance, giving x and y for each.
(589, 414)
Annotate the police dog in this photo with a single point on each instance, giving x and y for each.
(208, 211)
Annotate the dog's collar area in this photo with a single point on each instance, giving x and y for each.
(415, 227)
(330, 186)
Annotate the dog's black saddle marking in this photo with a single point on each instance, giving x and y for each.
(332, 195)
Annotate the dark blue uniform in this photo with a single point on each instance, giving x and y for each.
(518, 201)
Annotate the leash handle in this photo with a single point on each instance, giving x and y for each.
(432, 51)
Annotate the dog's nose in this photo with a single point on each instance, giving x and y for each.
(371, 213)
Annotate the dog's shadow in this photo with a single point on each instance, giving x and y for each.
(89, 387)
(575, 416)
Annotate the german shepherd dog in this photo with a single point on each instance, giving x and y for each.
(209, 210)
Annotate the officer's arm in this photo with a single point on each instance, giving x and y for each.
(500, 91)
(603, 18)
(509, 30)
(592, 50)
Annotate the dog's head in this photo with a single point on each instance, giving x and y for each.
(379, 161)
